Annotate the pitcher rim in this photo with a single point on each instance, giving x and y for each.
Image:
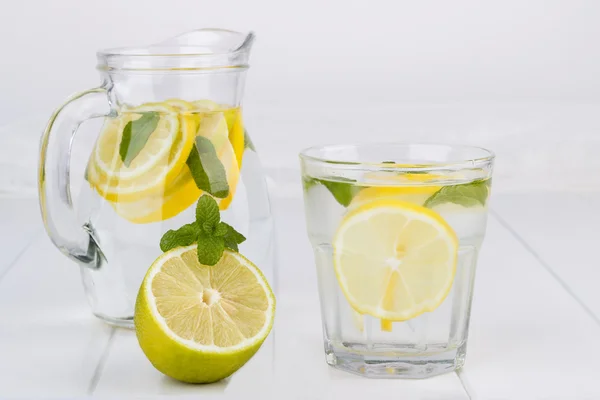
(171, 57)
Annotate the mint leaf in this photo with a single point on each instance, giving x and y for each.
(135, 135)
(210, 249)
(207, 213)
(211, 235)
(467, 194)
(206, 168)
(221, 229)
(208, 227)
(248, 142)
(343, 190)
(232, 238)
(183, 236)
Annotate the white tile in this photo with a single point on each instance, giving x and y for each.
(528, 338)
(296, 268)
(562, 229)
(128, 372)
(20, 223)
(50, 344)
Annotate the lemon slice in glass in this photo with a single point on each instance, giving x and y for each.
(394, 260)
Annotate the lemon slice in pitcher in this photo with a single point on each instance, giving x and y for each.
(394, 260)
(198, 323)
(236, 128)
(180, 195)
(158, 162)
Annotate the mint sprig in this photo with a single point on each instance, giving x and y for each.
(135, 135)
(467, 194)
(343, 190)
(184, 236)
(211, 234)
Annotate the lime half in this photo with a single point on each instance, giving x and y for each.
(199, 323)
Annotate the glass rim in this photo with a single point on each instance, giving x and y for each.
(332, 162)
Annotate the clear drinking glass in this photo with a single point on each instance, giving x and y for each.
(396, 230)
(172, 131)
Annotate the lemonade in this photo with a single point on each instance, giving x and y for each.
(150, 165)
(395, 247)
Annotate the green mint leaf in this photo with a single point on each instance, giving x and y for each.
(467, 195)
(135, 135)
(211, 235)
(248, 142)
(231, 245)
(207, 170)
(343, 190)
(208, 227)
(207, 213)
(210, 249)
(232, 238)
(221, 229)
(183, 236)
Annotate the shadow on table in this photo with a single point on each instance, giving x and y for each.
(200, 388)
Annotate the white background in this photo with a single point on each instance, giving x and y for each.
(520, 77)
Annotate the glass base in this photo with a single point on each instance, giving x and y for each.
(125, 322)
(394, 364)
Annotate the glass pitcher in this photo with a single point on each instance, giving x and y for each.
(172, 131)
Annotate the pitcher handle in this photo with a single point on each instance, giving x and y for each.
(56, 205)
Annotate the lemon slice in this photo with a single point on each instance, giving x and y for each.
(394, 260)
(158, 163)
(205, 105)
(232, 171)
(411, 194)
(180, 104)
(235, 125)
(213, 126)
(197, 323)
(180, 195)
(187, 112)
(154, 151)
(409, 187)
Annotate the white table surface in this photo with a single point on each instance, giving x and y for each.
(535, 327)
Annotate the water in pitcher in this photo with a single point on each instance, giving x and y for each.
(357, 332)
(147, 170)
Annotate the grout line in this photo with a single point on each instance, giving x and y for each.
(463, 383)
(101, 363)
(546, 266)
(4, 271)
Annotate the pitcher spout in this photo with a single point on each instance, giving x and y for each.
(217, 41)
